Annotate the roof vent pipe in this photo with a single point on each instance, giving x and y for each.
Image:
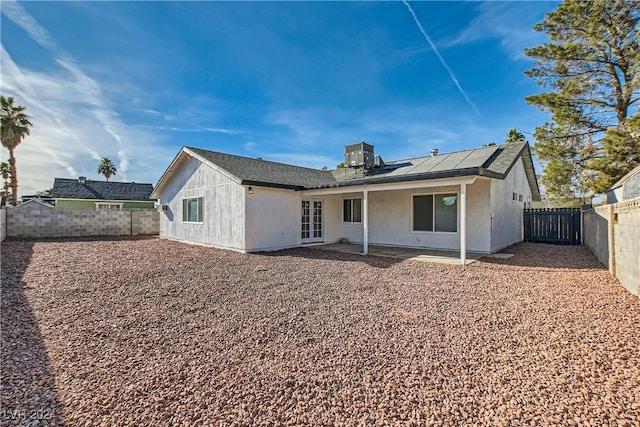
(434, 152)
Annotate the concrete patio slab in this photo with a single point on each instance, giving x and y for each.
(415, 254)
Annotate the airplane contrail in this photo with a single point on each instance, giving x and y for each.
(442, 61)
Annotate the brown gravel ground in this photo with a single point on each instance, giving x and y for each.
(154, 332)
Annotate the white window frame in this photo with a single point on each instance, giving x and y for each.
(352, 221)
(457, 193)
(109, 206)
(199, 209)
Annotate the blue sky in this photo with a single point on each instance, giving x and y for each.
(286, 81)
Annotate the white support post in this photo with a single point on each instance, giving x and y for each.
(365, 222)
(463, 224)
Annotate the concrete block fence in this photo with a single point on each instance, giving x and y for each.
(3, 224)
(612, 234)
(45, 222)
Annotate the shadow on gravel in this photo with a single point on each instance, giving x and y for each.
(27, 385)
(372, 260)
(541, 255)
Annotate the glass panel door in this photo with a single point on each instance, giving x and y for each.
(317, 219)
(312, 221)
(306, 233)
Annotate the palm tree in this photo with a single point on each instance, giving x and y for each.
(107, 168)
(5, 173)
(514, 136)
(15, 126)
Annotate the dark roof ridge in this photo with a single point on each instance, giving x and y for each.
(253, 158)
(107, 182)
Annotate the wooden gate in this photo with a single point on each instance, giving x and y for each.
(558, 226)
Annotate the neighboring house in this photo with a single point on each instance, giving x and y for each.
(628, 187)
(83, 193)
(40, 198)
(465, 200)
(35, 203)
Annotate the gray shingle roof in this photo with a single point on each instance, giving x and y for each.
(102, 190)
(256, 171)
(494, 162)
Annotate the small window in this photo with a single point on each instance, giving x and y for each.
(423, 213)
(514, 196)
(104, 206)
(192, 209)
(352, 210)
(435, 212)
(520, 197)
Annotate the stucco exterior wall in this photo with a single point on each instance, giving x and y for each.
(333, 218)
(91, 204)
(272, 219)
(223, 222)
(390, 219)
(506, 214)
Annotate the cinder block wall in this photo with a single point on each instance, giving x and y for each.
(3, 223)
(45, 222)
(612, 234)
(627, 247)
(595, 233)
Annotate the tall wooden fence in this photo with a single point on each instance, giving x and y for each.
(558, 226)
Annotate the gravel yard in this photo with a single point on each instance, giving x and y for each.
(154, 332)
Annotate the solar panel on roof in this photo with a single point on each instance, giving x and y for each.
(396, 165)
(477, 158)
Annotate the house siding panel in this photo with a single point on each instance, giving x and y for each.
(224, 207)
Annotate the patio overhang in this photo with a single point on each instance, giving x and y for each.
(426, 183)
(461, 181)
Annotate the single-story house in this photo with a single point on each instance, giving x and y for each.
(83, 193)
(465, 200)
(628, 187)
(34, 203)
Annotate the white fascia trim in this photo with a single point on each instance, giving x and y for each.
(442, 182)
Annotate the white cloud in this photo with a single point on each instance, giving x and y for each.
(506, 21)
(15, 12)
(74, 123)
(193, 129)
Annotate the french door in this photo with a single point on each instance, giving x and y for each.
(312, 225)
